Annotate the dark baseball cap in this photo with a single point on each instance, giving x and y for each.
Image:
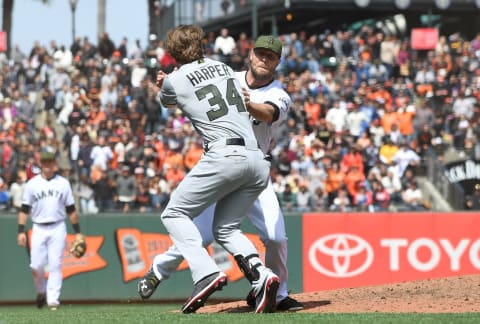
(269, 42)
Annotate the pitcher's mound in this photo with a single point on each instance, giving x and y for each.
(447, 295)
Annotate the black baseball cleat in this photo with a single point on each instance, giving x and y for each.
(251, 300)
(266, 298)
(289, 305)
(41, 300)
(203, 289)
(147, 286)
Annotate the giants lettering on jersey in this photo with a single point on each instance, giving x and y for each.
(44, 194)
(207, 73)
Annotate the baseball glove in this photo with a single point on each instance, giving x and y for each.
(79, 247)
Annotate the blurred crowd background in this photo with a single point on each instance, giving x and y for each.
(366, 110)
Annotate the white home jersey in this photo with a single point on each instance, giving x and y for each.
(274, 95)
(211, 97)
(47, 197)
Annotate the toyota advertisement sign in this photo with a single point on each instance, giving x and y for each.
(360, 249)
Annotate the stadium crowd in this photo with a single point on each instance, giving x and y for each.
(366, 107)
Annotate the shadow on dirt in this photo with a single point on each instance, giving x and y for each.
(245, 309)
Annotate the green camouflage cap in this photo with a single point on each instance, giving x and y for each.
(47, 154)
(269, 42)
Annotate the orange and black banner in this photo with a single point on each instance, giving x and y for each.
(137, 250)
(91, 261)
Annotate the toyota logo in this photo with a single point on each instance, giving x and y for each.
(340, 255)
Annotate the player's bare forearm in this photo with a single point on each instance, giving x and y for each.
(22, 218)
(73, 216)
(21, 236)
(260, 111)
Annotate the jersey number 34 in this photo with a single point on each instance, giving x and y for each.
(232, 97)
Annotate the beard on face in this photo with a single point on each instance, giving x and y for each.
(261, 76)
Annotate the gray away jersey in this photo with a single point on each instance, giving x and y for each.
(209, 94)
(273, 94)
(48, 198)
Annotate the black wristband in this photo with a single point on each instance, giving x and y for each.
(76, 227)
(21, 228)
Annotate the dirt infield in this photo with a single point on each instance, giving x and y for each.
(446, 295)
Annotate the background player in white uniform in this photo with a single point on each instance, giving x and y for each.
(269, 105)
(231, 172)
(48, 196)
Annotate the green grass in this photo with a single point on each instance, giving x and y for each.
(166, 314)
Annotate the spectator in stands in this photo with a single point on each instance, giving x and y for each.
(287, 199)
(355, 120)
(352, 158)
(319, 200)
(473, 201)
(153, 116)
(104, 193)
(106, 47)
(387, 150)
(192, 155)
(381, 198)
(125, 189)
(392, 184)
(424, 140)
(4, 195)
(334, 181)
(143, 202)
(16, 190)
(224, 45)
(101, 155)
(405, 158)
(363, 199)
(412, 198)
(341, 203)
(463, 105)
(353, 177)
(158, 197)
(304, 198)
(85, 194)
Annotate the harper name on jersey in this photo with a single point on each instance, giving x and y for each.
(207, 73)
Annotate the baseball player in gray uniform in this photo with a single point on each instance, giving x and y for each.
(48, 197)
(269, 105)
(233, 170)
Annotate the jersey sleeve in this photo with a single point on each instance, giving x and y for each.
(27, 196)
(282, 101)
(168, 97)
(69, 199)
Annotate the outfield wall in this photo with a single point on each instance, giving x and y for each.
(120, 250)
(326, 251)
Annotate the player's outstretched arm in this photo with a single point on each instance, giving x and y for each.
(260, 111)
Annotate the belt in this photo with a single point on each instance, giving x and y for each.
(47, 223)
(229, 141)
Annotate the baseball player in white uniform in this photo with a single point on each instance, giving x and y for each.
(233, 170)
(48, 198)
(269, 105)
